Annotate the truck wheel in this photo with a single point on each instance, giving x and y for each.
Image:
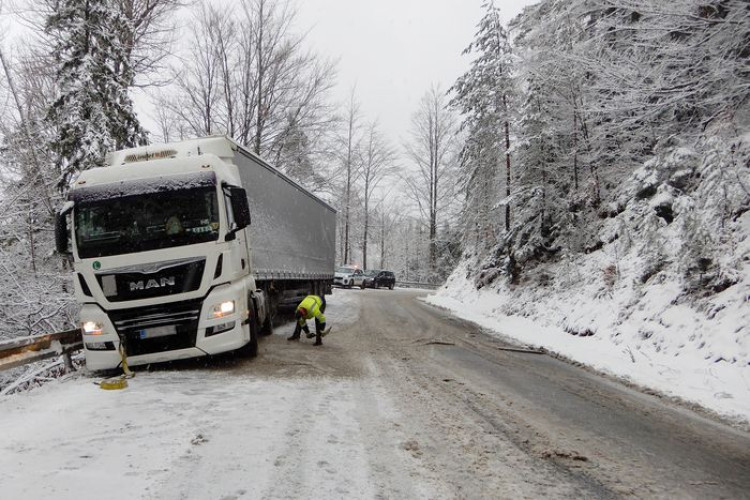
(362, 286)
(390, 287)
(250, 349)
(267, 328)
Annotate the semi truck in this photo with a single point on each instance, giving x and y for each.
(188, 249)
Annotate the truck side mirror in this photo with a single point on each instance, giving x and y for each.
(240, 207)
(61, 231)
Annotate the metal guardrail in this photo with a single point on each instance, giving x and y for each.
(24, 350)
(412, 284)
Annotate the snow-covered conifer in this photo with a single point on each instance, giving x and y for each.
(483, 95)
(92, 113)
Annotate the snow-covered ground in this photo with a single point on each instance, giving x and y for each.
(207, 434)
(344, 421)
(231, 433)
(647, 336)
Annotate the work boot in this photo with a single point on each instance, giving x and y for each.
(293, 337)
(318, 342)
(309, 335)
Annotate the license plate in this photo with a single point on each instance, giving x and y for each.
(157, 331)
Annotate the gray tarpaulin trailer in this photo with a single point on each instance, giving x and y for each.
(292, 233)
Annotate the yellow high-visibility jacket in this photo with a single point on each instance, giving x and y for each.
(311, 304)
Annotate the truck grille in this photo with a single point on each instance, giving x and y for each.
(167, 278)
(135, 324)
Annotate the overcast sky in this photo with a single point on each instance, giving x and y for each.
(394, 50)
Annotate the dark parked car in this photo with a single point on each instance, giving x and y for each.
(369, 279)
(378, 279)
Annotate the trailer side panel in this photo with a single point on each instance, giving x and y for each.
(292, 234)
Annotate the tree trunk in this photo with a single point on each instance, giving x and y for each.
(575, 151)
(259, 110)
(347, 206)
(32, 244)
(382, 245)
(366, 228)
(507, 166)
(434, 163)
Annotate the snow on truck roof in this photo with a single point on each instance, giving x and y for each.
(156, 168)
(160, 160)
(116, 188)
(219, 145)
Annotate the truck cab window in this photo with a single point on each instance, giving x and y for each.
(120, 225)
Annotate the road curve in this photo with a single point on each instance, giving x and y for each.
(482, 422)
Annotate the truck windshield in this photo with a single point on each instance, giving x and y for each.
(142, 222)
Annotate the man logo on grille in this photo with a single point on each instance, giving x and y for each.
(152, 283)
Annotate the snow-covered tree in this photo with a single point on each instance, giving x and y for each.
(601, 87)
(433, 151)
(377, 161)
(346, 144)
(32, 299)
(149, 41)
(92, 113)
(249, 75)
(483, 95)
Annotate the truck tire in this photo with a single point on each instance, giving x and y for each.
(267, 328)
(362, 286)
(390, 287)
(250, 350)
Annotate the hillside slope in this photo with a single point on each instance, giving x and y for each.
(664, 299)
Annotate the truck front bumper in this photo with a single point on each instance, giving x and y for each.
(166, 332)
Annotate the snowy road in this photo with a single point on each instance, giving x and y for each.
(403, 401)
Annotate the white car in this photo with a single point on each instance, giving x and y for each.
(348, 277)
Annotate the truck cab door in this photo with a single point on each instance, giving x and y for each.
(238, 218)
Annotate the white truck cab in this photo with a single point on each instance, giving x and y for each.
(161, 245)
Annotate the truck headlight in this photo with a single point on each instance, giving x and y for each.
(92, 328)
(221, 310)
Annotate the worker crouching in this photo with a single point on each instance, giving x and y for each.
(311, 307)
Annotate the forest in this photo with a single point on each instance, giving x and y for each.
(615, 128)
